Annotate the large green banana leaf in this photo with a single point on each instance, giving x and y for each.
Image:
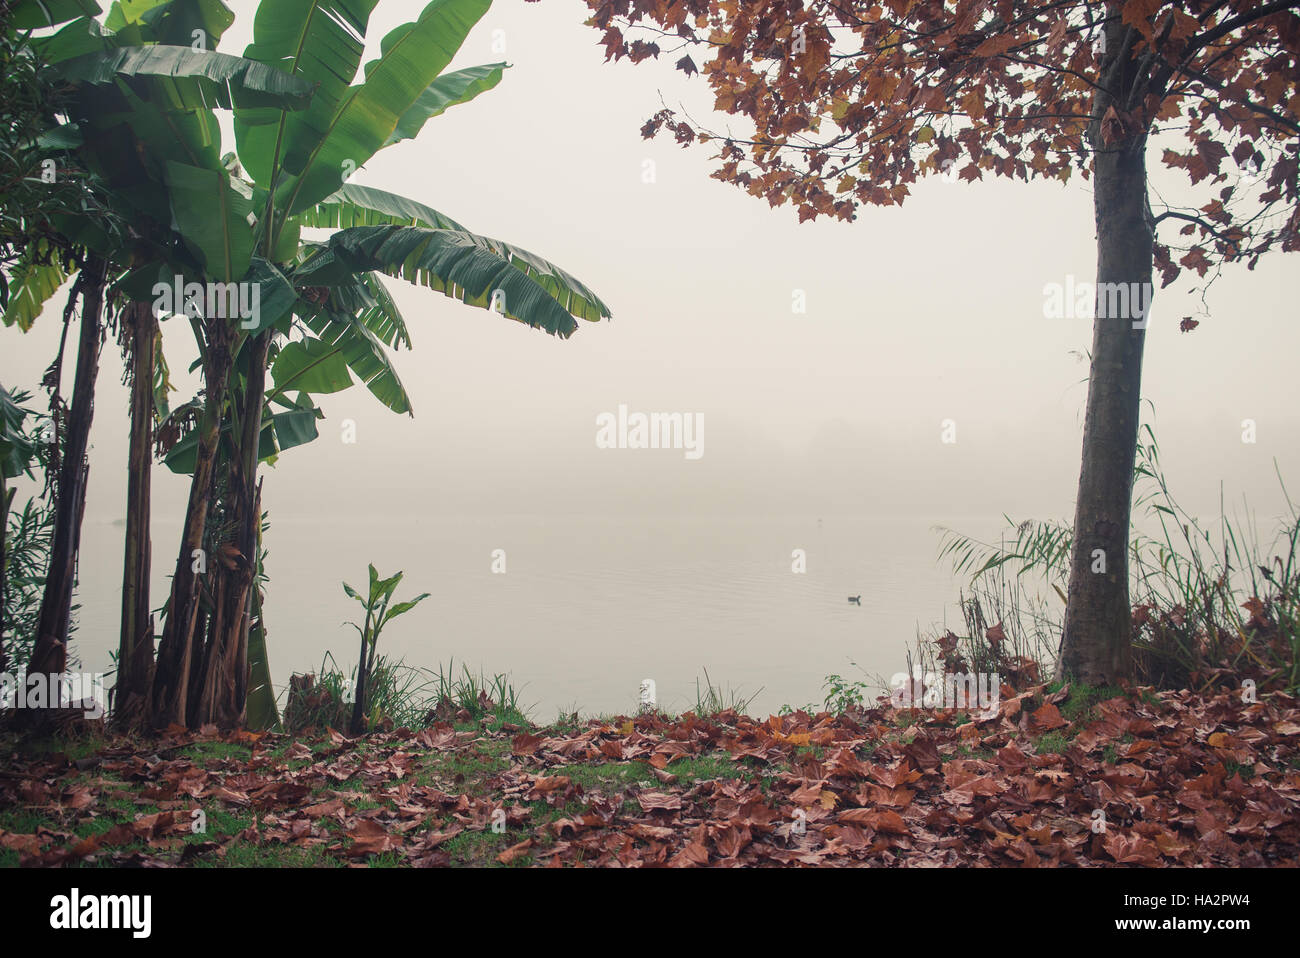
(450, 89)
(383, 318)
(130, 150)
(463, 265)
(366, 206)
(364, 354)
(171, 21)
(78, 38)
(310, 365)
(32, 285)
(276, 295)
(127, 13)
(321, 41)
(280, 431)
(213, 218)
(138, 23)
(181, 78)
(411, 57)
(34, 14)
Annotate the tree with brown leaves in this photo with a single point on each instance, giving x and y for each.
(851, 102)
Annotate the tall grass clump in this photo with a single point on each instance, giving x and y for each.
(470, 697)
(400, 695)
(714, 699)
(1211, 605)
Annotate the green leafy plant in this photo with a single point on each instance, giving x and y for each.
(379, 612)
(26, 533)
(844, 694)
(27, 553)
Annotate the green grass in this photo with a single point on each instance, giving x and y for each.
(1053, 743)
(222, 823)
(713, 699)
(77, 746)
(245, 855)
(617, 775)
(1080, 710)
(620, 775)
(703, 768)
(202, 753)
(442, 769)
(474, 847)
(1081, 704)
(21, 820)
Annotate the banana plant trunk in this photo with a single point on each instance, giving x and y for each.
(50, 652)
(136, 642)
(262, 710)
(1096, 643)
(363, 680)
(6, 500)
(224, 696)
(177, 681)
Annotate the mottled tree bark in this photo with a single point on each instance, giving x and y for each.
(179, 647)
(224, 695)
(1096, 641)
(136, 642)
(50, 652)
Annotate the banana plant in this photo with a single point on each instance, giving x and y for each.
(325, 318)
(143, 65)
(375, 601)
(339, 320)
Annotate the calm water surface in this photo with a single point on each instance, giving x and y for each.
(589, 606)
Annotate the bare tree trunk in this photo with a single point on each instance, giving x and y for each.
(136, 643)
(1096, 642)
(50, 652)
(179, 649)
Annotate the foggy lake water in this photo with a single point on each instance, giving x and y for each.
(589, 606)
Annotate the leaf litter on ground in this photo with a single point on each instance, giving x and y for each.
(1147, 778)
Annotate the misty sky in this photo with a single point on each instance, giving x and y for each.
(914, 315)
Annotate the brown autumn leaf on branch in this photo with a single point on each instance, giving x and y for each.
(847, 104)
